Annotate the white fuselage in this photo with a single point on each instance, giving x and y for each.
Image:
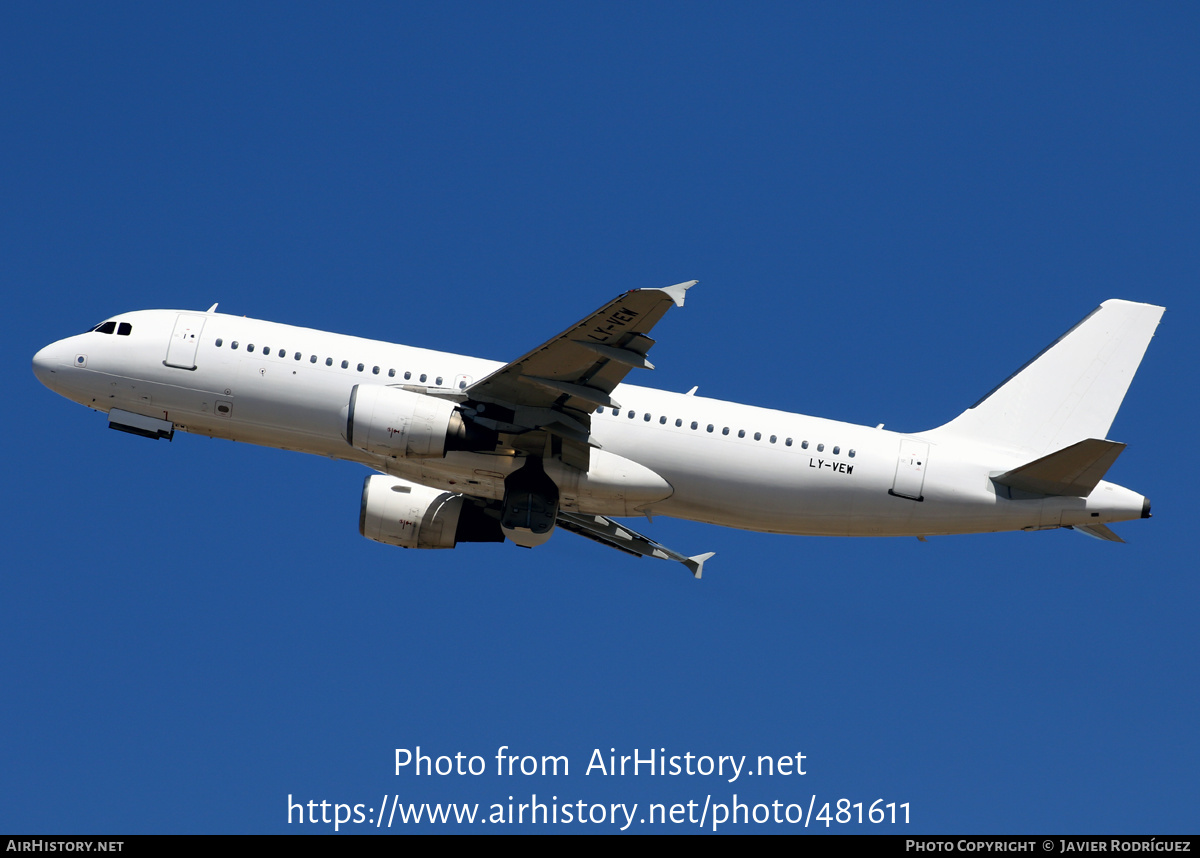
(727, 464)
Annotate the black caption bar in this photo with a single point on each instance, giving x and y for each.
(1120, 844)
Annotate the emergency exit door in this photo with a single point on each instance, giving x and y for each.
(910, 469)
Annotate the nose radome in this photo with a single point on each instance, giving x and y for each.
(46, 363)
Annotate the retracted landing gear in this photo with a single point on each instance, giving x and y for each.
(530, 505)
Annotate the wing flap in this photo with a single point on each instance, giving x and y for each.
(590, 395)
(604, 530)
(627, 355)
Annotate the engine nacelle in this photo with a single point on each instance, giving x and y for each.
(392, 422)
(397, 512)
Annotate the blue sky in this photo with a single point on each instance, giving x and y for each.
(889, 208)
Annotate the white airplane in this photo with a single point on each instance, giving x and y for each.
(471, 450)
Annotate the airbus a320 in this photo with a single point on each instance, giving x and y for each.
(473, 450)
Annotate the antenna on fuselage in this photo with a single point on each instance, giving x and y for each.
(211, 309)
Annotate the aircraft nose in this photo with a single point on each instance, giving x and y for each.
(46, 363)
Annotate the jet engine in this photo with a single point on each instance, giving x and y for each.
(397, 512)
(400, 424)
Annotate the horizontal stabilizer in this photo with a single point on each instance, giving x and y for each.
(1072, 471)
(1097, 531)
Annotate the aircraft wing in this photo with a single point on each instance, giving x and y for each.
(545, 398)
(607, 532)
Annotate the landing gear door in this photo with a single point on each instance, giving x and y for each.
(185, 339)
(910, 469)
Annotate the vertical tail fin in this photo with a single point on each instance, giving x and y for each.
(1071, 390)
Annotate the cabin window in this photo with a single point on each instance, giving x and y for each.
(283, 352)
(710, 427)
(296, 356)
(250, 347)
(233, 345)
(647, 417)
(374, 370)
(788, 442)
(803, 445)
(438, 381)
(423, 377)
(312, 359)
(851, 454)
(695, 425)
(836, 450)
(773, 439)
(219, 341)
(391, 373)
(757, 436)
(267, 351)
(328, 361)
(345, 364)
(631, 415)
(725, 431)
(124, 329)
(663, 420)
(678, 421)
(820, 448)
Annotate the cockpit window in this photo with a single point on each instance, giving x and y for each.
(105, 328)
(124, 329)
